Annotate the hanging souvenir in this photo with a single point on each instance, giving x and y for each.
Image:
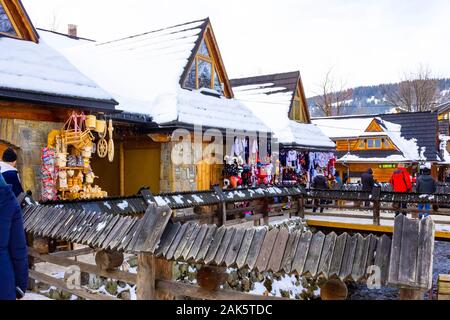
(110, 142)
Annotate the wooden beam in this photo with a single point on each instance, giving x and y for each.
(84, 267)
(41, 277)
(73, 253)
(122, 169)
(194, 291)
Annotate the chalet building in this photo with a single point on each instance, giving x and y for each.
(39, 87)
(279, 100)
(382, 142)
(167, 79)
(443, 114)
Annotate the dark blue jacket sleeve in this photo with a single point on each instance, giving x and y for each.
(12, 178)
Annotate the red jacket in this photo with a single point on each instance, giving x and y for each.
(401, 181)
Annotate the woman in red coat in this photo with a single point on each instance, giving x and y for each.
(401, 182)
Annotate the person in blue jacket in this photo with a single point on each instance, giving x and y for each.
(9, 171)
(13, 248)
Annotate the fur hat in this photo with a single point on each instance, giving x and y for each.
(9, 155)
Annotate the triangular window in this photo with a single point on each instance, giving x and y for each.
(203, 50)
(5, 23)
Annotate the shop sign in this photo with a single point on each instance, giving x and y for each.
(387, 166)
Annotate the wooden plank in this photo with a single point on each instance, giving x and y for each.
(408, 253)
(219, 259)
(114, 232)
(152, 228)
(215, 244)
(61, 284)
(197, 244)
(255, 248)
(245, 247)
(314, 254)
(289, 253)
(106, 231)
(84, 267)
(396, 249)
(301, 253)
(185, 240)
(373, 240)
(173, 247)
(235, 246)
(382, 255)
(425, 255)
(266, 250)
(348, 258)
(129, 236)
(73, 253)
(167, 238)
(327, 254)
(127, 226)
(338, 254)
(212, 229)
(359, 263)
(278, 250)
(189, 290)
(191, 241)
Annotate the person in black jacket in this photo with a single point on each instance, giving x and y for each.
(319, 182)
(9, 171)
(13, 248)
(425, 185)
(367, 182)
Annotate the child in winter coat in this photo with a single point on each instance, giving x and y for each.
(13, 248)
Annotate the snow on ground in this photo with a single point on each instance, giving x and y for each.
(34, 296)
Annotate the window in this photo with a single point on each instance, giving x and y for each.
(373, 143)
(5, 23)
(203, 72)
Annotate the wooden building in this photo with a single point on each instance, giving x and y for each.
(173, 78)
(39, 88)
(382, 142)
(279, 100)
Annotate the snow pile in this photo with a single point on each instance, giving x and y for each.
(343, 127)
(143, 74)
(408, 147)
(25, 65)
(271, 105)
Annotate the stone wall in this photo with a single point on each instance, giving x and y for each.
(30, 137)
(175, 178)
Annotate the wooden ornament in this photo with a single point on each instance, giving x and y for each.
(102, 148)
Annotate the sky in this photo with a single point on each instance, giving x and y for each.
(363, 42)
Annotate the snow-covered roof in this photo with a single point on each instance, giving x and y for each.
(143, 73)
(414, 135)
(271, 103)
(28, 67)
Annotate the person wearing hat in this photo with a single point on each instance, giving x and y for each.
(368, 183)
(13, 247)
(9, 171)
(425, 185)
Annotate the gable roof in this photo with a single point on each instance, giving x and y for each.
(20, 20)
(413, 133)
(270, 98)
(144, 73)
(35, 72)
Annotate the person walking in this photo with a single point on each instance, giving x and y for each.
(425, 185)
(401, 182)
(9, 171)
(319, 182)
(367, 182)
(13, 248)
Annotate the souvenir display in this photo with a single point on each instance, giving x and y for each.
(66, 161)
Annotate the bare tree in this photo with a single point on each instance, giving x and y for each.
(332, 96)
(418, 91)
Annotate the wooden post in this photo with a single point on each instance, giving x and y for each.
(163, 271)
(334, 289)
(301, 207)
(122, 169)
(376, 205)
(411, 294)
(108, 260)
(266, 211)
(145, 281)
(222, 210)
